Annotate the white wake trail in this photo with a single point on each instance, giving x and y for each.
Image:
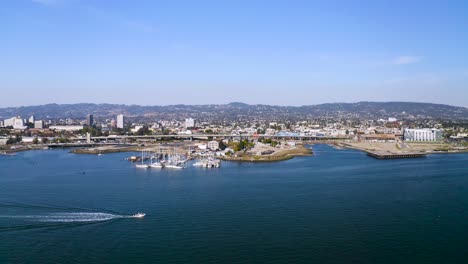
(77, 217)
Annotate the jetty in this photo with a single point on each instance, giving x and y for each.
(386, 155)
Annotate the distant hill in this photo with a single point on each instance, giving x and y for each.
(360, 110)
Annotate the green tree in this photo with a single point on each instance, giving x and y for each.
(11, 141)
(241, 145)
(35, 141)
(222, 146)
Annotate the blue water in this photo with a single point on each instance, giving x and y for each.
(338, 206)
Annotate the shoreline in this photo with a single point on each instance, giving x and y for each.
(376, 151)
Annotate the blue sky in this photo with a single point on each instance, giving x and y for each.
(203, 52)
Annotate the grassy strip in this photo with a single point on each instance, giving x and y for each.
(283, 155)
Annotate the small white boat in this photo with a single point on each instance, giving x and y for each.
(156, 165)
(172, 166)
(141, 166)
(198, 164)
(139, 215)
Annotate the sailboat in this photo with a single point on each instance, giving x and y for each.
(142, 165)
(157, 164)
(174, 162)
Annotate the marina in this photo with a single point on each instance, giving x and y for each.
(166, 158)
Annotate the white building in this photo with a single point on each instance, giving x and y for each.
(3, 141)
(66, 128)
(136, 128)
(424, 134)
(202, 146)
(19, 124)
(189, 122)
(32, 119)
(213, 145)
(15, 122)
(39, 124)
(120, 121)
(9, 122)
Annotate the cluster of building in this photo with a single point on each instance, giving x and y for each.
(364, 130)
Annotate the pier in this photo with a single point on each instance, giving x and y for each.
(380, 155)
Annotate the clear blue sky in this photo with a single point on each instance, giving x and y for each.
(200, 52)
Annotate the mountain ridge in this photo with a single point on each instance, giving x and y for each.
(362, 109)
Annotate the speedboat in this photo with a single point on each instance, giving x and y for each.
(139, 215)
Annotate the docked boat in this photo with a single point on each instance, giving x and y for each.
(142, 165)
(173, 166)
(198, 164)
(157, 165)
(208, 163)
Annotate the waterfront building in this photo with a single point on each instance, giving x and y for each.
(189, 122)
(39, 124)
(424, 134)
(120, 121)
(213, 145)
(90, 120)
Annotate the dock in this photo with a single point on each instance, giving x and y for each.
(386, 155)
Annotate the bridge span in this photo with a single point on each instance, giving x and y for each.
(208, 136)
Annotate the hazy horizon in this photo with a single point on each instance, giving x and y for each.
(210, 52)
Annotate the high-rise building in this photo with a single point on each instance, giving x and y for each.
(9, 122)
(19, 123)
(90, 120)
(39, 124)
(113, 123)
(15, 122)
(32, 119)
(189, 122)
(120, 121)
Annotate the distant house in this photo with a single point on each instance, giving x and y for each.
(3, 141)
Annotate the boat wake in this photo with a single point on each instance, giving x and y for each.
(67, 217)
(77, 217)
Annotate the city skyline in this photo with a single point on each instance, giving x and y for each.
(299, 53)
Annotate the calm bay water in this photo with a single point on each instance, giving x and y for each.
(338, 206)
